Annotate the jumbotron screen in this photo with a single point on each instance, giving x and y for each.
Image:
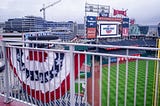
(108, 29)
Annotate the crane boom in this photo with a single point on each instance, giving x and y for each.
(44, 8)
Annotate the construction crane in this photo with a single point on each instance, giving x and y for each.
(44, 8)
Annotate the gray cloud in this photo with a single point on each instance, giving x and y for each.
(145, 12)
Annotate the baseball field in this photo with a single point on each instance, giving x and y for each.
(141, 73)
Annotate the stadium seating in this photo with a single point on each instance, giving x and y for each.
(131, 42)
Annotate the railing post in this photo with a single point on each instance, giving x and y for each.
(156, 74)
(72, 76)
(156, 92)
(126, 79)
(6, 80)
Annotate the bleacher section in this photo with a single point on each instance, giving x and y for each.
(138, 42)
(121, 51)
(132, 42)
(143, 29)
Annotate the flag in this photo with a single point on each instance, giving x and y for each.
(132, 21)
(45, 76)
(120, 12)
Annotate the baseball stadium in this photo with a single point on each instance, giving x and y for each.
(115, 63)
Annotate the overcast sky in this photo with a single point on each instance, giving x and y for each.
(143, 11)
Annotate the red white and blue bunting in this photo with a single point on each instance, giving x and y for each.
(44, 75)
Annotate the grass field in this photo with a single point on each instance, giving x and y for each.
(131, 79)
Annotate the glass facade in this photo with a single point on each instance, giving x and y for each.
(35, 24)
(13, 25)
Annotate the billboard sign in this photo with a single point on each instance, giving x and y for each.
(94, 8)
(91, 32)
(91, 21)
(126, 20)
(125, 31)
(111, 19)
(108, 29)
(26, 35)
(104, 11)
(125, 23)
(91, 8)
(91, 25)
(103, 14)
(91, 18)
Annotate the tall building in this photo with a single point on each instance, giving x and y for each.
(36, 24)
(64, 30)
(1, 26)
(13, 25)
(25, 24)
(33, 24)
(80, 30)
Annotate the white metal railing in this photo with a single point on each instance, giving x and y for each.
(62, 75)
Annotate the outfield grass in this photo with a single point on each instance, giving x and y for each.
(131, 79)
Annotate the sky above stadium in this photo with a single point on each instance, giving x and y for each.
(143, 11)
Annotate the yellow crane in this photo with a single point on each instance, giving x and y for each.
(44, 8)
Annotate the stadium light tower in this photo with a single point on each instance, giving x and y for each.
(44, 8)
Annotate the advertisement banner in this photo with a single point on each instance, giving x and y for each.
(126, 20)
(125, 23)
(94, 8)
(112, 19)
(91, 32)
(125, 31)
(122, 59)
(91, 18)
(26, 35)
(91, 21)
(104, 12)
(91, 8)
(91, 24)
